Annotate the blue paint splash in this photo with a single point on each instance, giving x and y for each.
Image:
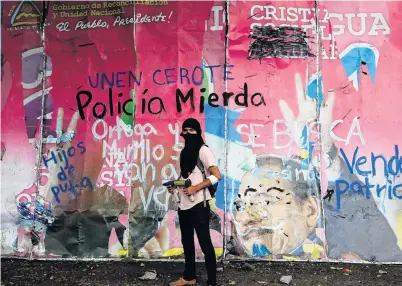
(358, 54)
(312, 89)
(260, 250)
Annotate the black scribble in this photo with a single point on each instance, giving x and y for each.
(16, 35)
(341, 216)
(267, 202)
(84, 45)
(79, 87)
(250, 75)
(278, 198)
(3, 151)
(347, 114)
(329, 195)
(288, 194)
(251, 204)
(250, 190)
(3, 62)
(275, 188)
(279, 42)
(363, 72)
(286, 234)
(343, 87)
(288, 203)
(363, 63)
(254, 15)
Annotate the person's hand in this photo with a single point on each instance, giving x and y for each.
(190, 190)
(308, 113)
(171, 189)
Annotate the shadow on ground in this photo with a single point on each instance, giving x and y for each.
(22, 272)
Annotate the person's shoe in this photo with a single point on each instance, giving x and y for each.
(182, 282)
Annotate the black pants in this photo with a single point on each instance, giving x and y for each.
(197, 218)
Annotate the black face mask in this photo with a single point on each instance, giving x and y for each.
(189, 155)
(190, 138)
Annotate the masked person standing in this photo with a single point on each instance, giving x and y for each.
(194, 211)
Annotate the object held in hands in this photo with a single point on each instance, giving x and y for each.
(179, 183)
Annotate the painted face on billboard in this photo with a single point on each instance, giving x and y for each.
(276, 207)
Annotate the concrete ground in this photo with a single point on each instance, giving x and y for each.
(49, 273)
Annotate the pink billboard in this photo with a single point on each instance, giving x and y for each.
(298, 100)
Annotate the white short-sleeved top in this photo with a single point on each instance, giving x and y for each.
(208, 160)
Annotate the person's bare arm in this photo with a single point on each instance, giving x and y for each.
(214, 170)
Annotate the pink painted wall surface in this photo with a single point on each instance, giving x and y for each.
(305, 128)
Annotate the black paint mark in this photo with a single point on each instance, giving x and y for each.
(347, 114)
(254, 15)
(250, 190)
(84, 45)
(364, 72)
(280, 42)
(275, 188)
(329, 195)
(267, 202)
(16, 35)
(278, 198)
(363, 63)
(79, 87)
(260, 186)
(251, 76)
(288, 203)
(239, 195)
(3, 151)
(3, 59)
(341, 216)
(286, 234)
(288, 194)
(343, 87)
(3, 62)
